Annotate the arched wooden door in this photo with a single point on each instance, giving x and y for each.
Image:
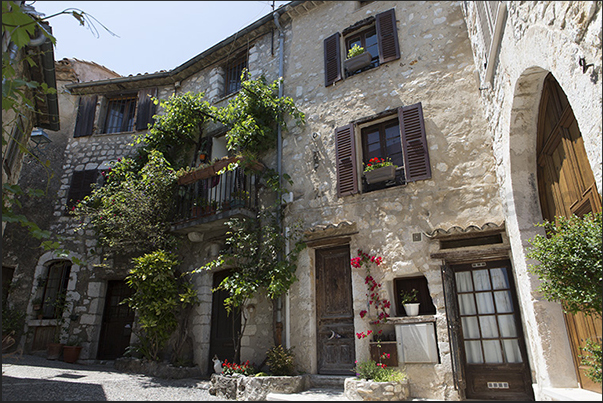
(566, 186)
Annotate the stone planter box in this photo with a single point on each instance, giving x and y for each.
(357, 62)
(381, 174)
(360, 389)
(240, 387)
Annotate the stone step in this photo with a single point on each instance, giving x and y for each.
(326, 381)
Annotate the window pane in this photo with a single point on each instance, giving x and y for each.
(507, 326)
(492, 352)
(485, 304)
(463, 281)
(129, 126)
(488, 326)
(373, 145)
(482, 280)
(372, 47)
(470, 327)
(503, 301)
(474, 352)
(114, 117)
(466, 304)
(393, 144)
(499, 278)
(512, 353)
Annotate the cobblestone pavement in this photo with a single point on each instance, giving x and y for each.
(34, 378)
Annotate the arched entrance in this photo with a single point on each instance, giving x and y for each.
(566, 186)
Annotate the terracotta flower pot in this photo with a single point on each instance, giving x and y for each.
(71, 353)
(53, 351)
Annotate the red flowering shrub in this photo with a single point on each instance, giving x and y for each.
(230, 368)
(373, 287)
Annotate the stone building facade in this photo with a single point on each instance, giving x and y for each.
(451, 94)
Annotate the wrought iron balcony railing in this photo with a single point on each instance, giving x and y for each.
(203, 200)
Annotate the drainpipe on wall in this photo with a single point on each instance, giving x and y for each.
(279, 167)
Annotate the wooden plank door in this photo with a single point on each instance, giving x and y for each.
(118, 319)
(566, 186)
(334, 312)
(224, 326)
(493, 350)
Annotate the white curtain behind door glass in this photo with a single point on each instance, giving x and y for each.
(488, 326)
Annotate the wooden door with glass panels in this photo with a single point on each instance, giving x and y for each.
(494, 355)
(566, 186)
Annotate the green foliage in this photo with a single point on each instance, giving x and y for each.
(408, 296)
(12, 319)
(280, 360)
(570, 262)
(371, 370)
(179, 127)
(253, 246)
(355, 51)
(571, 269)
(254, 115)
(592, 359)
(159, 295)
(131, 213)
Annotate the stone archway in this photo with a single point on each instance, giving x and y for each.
(546, 332)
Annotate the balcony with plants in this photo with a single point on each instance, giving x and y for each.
(209, 195)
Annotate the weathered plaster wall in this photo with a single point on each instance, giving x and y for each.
(538, 38)
(436, 69)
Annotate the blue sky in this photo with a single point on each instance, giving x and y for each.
(151, 35)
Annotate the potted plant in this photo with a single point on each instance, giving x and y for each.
(379, 170)
(357, 59)
(409, 300)
(72, 350)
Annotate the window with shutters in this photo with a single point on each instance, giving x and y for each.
(398, 135)
(81, 186)
(377, 34)
(234, 70)
(120, 113)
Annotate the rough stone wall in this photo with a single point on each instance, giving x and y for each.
(436, 68)
(538, 38)
(48, 211)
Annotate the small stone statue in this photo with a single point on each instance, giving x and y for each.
(217, 364)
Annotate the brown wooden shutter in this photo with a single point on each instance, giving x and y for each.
(387, 36)
(414, 143)
(85, 116)
(345, 154)
(332, 59)
(146, 108)
(454, 330)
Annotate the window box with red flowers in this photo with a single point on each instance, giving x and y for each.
(379, 170)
